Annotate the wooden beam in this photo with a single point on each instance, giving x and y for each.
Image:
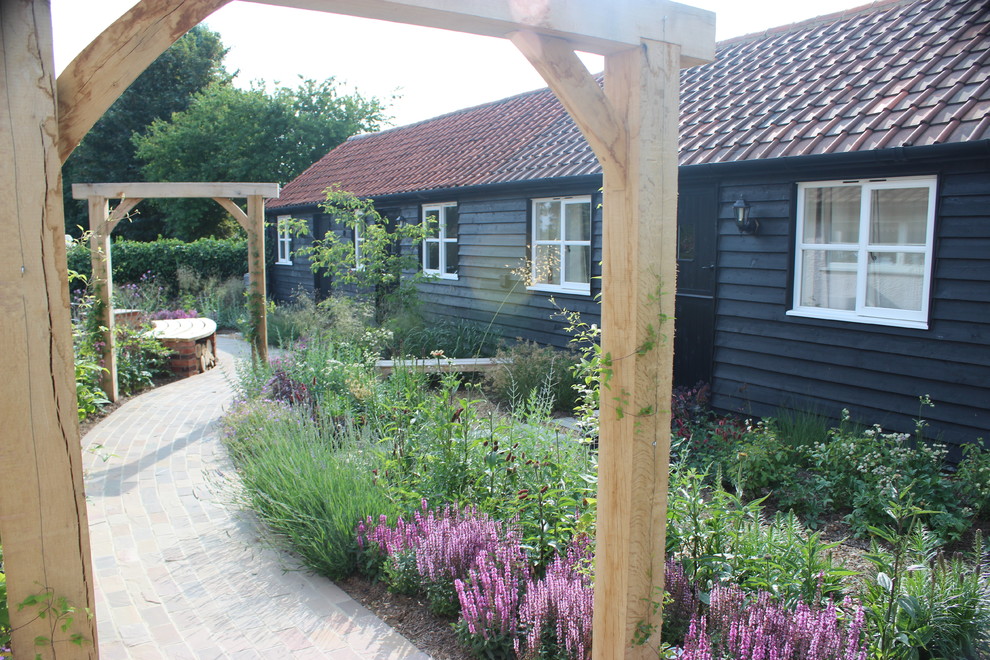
(43, 520)
(256, 269)
(174, 189)
(593, 26)
(578, 92)
(107, 66)
(235, 211)
(120, 212)
(639, 270)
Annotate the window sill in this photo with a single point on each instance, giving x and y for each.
(437, 275)
(549, 288)
(852, 317)
(283, 263)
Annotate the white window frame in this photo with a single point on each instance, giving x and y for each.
(284, 241)
(441, 239)
(561, 243)
(863, 313)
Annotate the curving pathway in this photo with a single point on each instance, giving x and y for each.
(181, 573)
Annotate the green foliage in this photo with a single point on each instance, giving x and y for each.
(106, 153)
(383, 266)
(218, 259)
(414, 336)
(60, 614)
(346, 318)
(589, 372)
(720, 539)
(855, 466)
(4, 613)
(434, 443)
(308, 484)
(919, 602)
(214, 298)
(972, 478)
(231, 134)
(140, 358)
(526, 367)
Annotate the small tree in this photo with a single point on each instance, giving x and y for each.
(380, 262)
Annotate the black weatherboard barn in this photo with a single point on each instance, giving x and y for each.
(857, 145)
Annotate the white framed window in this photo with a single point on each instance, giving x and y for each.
(440, 256)
(284, 241)
(561, 247)
(864, 250)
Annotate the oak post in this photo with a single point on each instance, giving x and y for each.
(43, 519)
(101, 282)
(256, 269)
(638, 285)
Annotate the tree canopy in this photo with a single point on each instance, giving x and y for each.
(231, 134)
(106, 154)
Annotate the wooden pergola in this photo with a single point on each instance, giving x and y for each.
(632, 127)
(102, 222)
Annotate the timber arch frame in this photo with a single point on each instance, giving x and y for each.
(102, 222)
(632, 127)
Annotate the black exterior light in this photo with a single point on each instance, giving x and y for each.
(744, 223)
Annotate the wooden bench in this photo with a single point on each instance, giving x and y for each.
(434, 365)
(193, 342)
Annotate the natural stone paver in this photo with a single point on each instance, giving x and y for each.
(180, 572)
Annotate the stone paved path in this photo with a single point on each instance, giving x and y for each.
(182, 574)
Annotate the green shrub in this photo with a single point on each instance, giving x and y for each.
(416, 337)
(527, 367)
(221, 259)
(858, 466)
(972, 478)
(920, 604)
(718, 538)
(343, 318)
(310, 489)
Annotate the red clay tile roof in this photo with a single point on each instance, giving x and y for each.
(894, 73)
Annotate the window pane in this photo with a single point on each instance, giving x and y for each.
(432, 219)
(899, 216)
(578, 222)
(450, 253)
(450, 222)
(895, 280)
(831, 214)
(431, 255)
(828, 279)
(546, 221)
(546, 265)
(577, 265)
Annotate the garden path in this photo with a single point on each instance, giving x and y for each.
(180, 572)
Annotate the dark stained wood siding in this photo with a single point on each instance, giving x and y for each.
(765, 359)
(284, 281)
(494, 234)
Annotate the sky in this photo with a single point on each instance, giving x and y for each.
(419, 72)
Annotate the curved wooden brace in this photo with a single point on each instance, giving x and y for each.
(105, 68)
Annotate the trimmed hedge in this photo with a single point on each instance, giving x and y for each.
(209, 257)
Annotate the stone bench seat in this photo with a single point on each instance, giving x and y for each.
(193, 343)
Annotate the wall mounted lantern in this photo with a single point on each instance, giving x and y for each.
(744, 223)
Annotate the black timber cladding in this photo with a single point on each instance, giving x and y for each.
(765, 359)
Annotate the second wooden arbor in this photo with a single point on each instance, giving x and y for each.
(102, 222)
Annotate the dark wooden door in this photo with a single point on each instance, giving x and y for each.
(694, 323)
